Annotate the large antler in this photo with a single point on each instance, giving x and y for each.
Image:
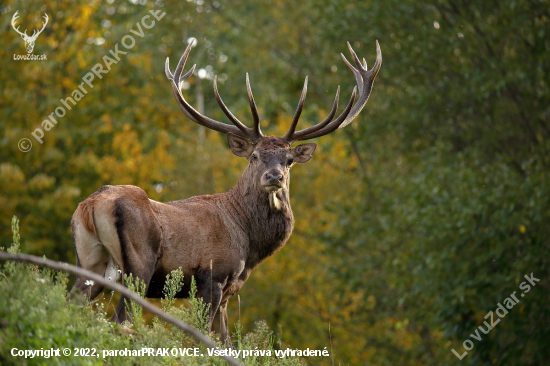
(364, 78)
(239, 129)
(13, 21)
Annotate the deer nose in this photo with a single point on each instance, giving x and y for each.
(273, 177)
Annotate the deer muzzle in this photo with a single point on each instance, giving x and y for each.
(272, 180)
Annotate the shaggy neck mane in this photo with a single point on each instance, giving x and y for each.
(266, 229)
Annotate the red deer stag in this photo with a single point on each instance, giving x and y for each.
(217, 238)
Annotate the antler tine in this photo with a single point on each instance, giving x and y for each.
(356, 73)
(167, 71)
(177, 82)
(187, 75)
(292, 129)
(326, 120)
(355, 58)
(182, 61)
(329, 127)
(226, 110)
(186, 108)
(365, 79)
(255, 116)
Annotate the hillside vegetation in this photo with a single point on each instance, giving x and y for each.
(35, 317)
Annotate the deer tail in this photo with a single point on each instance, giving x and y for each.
(86, 216)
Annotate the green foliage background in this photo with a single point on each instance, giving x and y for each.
(411, 224)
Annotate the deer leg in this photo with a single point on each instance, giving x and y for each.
(210, 290)
(92, 256)
(120, 314)
(90, 291)
(139, 258)
(220, 325)
(143, 271)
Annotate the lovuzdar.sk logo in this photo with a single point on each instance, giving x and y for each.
(29, 40)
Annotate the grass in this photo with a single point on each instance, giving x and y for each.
(35, 316)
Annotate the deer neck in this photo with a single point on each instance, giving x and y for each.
(267, 227)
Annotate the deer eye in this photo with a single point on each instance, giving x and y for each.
(254, 157)
(289, 162)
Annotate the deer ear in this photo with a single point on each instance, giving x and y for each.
(302, 153)
(239, 146)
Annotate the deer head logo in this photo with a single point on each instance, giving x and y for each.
(29, 40)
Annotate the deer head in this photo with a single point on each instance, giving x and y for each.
(29, 40)
(270, 158)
